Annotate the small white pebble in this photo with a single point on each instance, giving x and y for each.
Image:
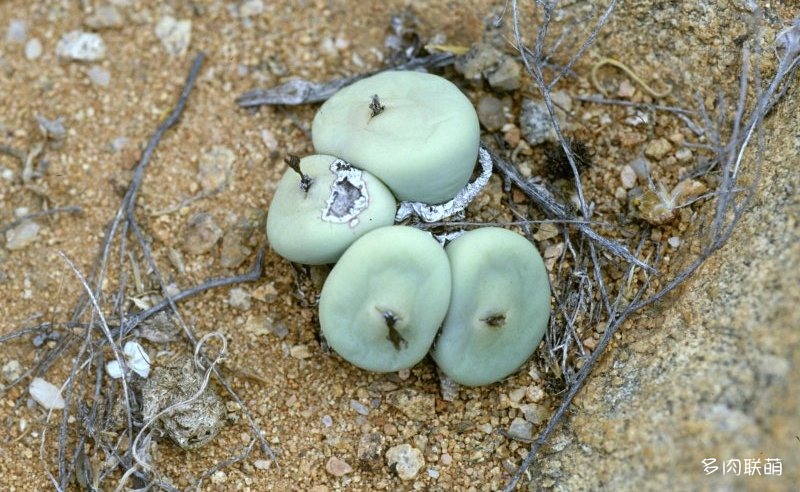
(516, 395)
(33, 49)
(175, 35)
(99, 76)
(520, 428)
(300, 351)
(674, 241)
(46, 394)
(359, 407)
(17, 31)
(250, 8)
(219, 477)
(683, 154)
(327, 421)
(239, 298)
(119, 143)
(628, 177)
(22, 235)
(269, 139)
(341, 44)
(261, 464)
(81, 46)
(433, 473)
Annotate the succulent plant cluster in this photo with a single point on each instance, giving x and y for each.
(480, 306)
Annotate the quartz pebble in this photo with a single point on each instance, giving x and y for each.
(535, 122)
(81, 46)
(202, 233)
(405, 460)
(215, 167)
(658, 148)
(300, 352)
(22, 235)
(516, 395)
(239, 298)
(628, 177)
(99, 75)
(337, 467)
(249, 8)
(684, 154)
(521, 428)
(485, 61)
(46, 394)
(175, 35)
(359, 407)
(33, 49)
(219, 477)
(534, 413)
(491, 114)
(105, 17)
(17, 31)
(11, 370)
(52, 129)
(233, 252)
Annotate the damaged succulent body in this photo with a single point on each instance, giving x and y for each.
(415, 131)
(314, 225)
(499, 309)
(385, 299)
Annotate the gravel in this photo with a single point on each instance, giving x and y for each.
(99, 75)
(33, 49)
(105, 17)
(81, 46)
(239, 298)
(337, 467)
(658, 148)
(175, 35)
(405, 460)
(22, 235)
(521, 428)
(202, 233)
(535, 122)
(215, 168)
(17, 31)
(491, 114)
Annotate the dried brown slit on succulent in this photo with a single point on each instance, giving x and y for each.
(394, 336)
(294, 164)
(375, 106)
